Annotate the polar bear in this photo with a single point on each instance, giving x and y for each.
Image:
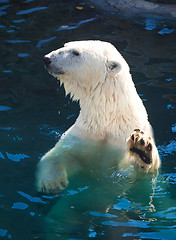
(112, 127)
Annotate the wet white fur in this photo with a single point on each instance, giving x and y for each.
(110, 107)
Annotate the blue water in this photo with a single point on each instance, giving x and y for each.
(34, 113)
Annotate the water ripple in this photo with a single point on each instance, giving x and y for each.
(98, 214)
(164, 234)
(130, 223)
(18, 41)
(4, 108)
(20, 205)
(19, 20)
(40, 43)
(2, 12)
(124, 204)
(170, 148)
(75, 25)
(16, 157)
(166, 31)
(23, 55)
(3, 232)
(30, 198)
(31, 10)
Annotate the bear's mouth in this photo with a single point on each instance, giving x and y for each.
(55, 71)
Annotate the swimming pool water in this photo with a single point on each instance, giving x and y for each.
(34, 112)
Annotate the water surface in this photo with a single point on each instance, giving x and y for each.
(34, 112)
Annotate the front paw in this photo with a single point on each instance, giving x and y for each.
(140, 148)
(50, 177)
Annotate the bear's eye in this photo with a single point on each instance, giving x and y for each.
(113, 66)
(75, 52)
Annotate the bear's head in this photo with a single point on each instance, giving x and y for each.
(84, 65)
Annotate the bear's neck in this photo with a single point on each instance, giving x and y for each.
(112, 107)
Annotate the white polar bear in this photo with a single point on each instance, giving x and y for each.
(96, 74)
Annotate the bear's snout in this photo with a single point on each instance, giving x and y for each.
(47, 61)
(51, 67)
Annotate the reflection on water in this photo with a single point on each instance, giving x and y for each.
(34, 112)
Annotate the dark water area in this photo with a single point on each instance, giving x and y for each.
(34, 112)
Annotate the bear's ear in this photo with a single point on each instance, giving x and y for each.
(113, 67)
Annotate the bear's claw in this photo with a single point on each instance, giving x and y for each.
(51, 179)
(145, 157)
(140, 147)
(52, 188)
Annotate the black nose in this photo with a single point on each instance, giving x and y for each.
(47, 61)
